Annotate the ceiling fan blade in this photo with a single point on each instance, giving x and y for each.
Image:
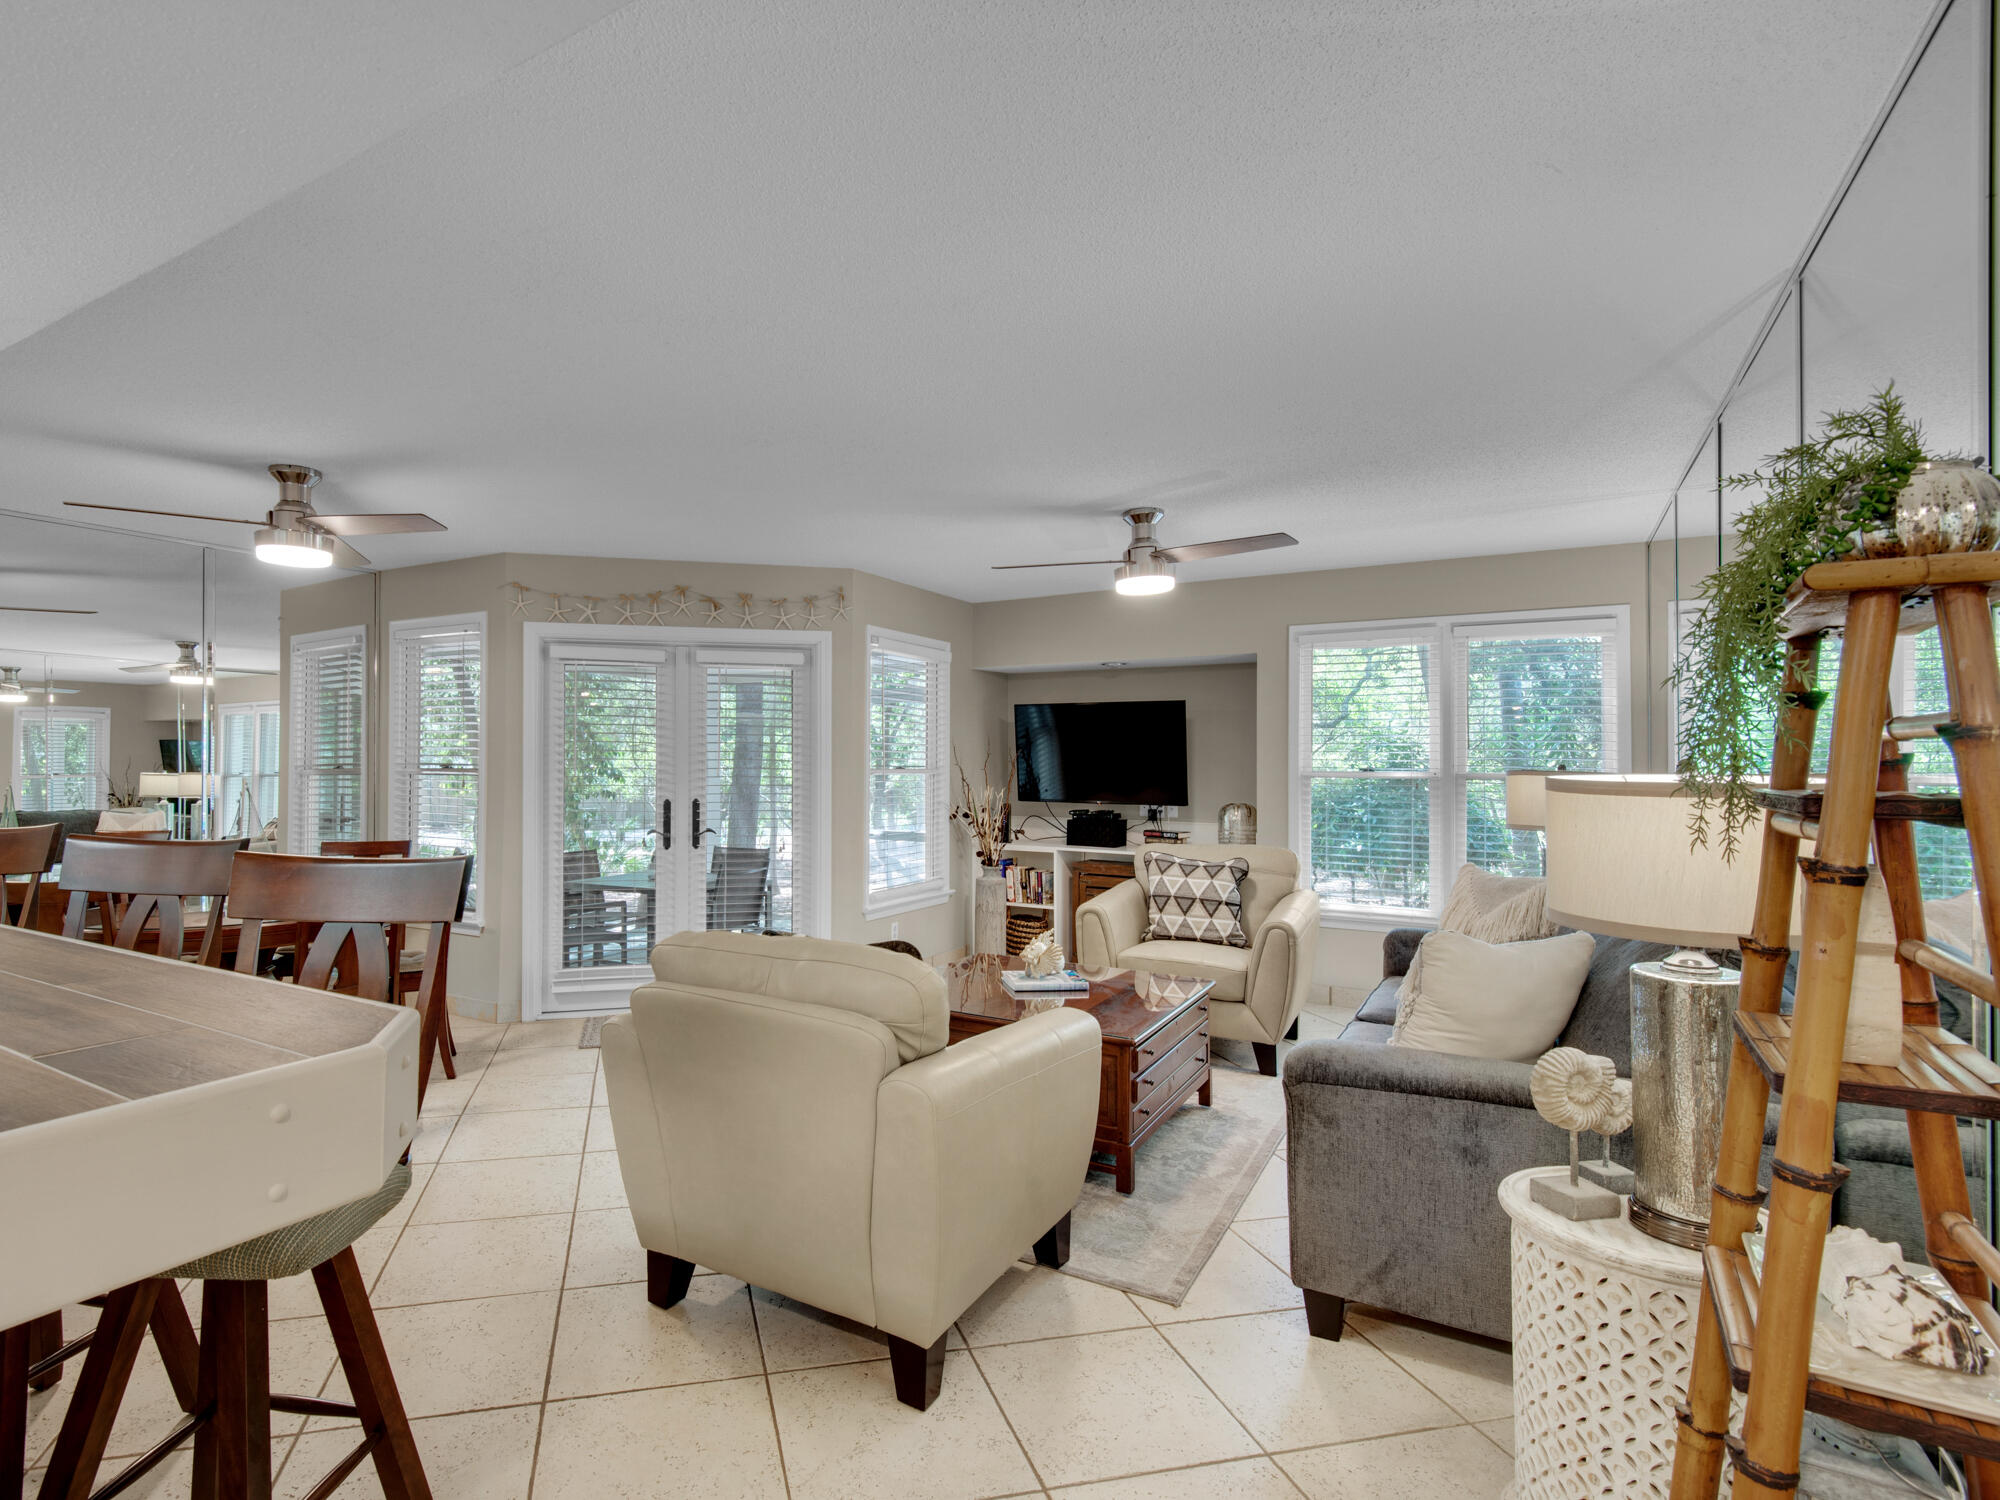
(185, 515)
(37, 609)
(1081, 563)
(359, 525)
(1195, 551)
(345, 556)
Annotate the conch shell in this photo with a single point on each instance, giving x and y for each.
(1573, 1090)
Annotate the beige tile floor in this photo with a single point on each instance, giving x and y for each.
(510, 1290)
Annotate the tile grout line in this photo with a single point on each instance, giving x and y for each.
(555, 1329)
(1001, 1407)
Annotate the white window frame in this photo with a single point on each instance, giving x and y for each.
(398, 769)
(1448, 775)
(935, 888)
(225, 812)
(297, 839)
(30, 713)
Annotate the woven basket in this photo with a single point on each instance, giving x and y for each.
(1023, 928)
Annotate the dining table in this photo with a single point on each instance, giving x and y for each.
(154, 1111)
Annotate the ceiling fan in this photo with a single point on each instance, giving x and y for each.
(186, 669)
(13, 690)
(295, 535)
(1147, 567)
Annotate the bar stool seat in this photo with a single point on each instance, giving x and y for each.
(297, 1248)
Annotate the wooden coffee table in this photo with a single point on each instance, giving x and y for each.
(1155, 1042)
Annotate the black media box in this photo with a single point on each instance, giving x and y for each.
(1099, 830)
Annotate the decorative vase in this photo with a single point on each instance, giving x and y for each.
(1949, 505)
(1879, 541)
(1236, 824)
(1682, 1027)
(989, 912)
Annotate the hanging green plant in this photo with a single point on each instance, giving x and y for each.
(1825, 498)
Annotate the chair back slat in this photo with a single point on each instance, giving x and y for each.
(135, 882)
(366, 848)
(353, 956)
(28, 850)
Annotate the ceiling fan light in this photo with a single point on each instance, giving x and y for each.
(1148, 575)
(188, 676)
(11, 690)
(293, 547)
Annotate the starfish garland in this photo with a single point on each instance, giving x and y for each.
(557, 609)
(628, 610)
(523, 596)
(653, 614)
(782, 612)
(810, 616)
(746, 609)
(587, 611)
(683, 605)
(714, 608)
(840, 604)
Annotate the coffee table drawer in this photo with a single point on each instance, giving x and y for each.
(1162, 1076)
(1147, 1054)
(1188, 1063)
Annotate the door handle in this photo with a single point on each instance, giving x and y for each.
(695, 828)
(666, 823)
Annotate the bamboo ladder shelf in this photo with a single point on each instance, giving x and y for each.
(1757, 1338)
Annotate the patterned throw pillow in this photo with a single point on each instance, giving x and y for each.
(1195, 900)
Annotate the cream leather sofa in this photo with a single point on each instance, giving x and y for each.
(1259, 989)
(786, 1112)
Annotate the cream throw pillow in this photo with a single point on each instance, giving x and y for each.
(1501, 1000)
(1492, 908)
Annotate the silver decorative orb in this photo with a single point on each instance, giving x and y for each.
(1949, 505)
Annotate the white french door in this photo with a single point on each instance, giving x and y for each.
(681, 788)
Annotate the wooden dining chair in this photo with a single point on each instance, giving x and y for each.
(134, 883)
(349, 906)
(29, 851)
(365, 848)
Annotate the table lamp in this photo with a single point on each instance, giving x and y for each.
(1621, 862)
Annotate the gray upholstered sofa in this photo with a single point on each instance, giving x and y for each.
(1395, 1156)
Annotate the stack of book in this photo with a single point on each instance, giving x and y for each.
(1166, 835)
(1020, 982)
(1028, 885)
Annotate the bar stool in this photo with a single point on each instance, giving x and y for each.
(352, 903)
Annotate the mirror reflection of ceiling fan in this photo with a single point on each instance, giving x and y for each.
(13, 690)
(294, 535)
(43, 609)
(1147, 567)
(186, 668)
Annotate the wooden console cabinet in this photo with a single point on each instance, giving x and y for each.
(1093, 877)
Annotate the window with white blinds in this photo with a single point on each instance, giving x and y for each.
(329, 687)
(247, 768)
(757, 749)
(909, 772)
(62, 758)
(1403, 733)
(437, 739)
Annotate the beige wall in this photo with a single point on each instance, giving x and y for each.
(1042, 644)
(1222, 724)
(486, 968)
(1253, 616)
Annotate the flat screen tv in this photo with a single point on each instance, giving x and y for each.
(1125, 753)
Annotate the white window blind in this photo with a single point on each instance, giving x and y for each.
(247, 769)
(61, 758)
(1403, 733)
(329, 672)
(437, 739)
(909, 772)
(757, 787)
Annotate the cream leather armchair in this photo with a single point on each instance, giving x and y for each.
(787, 1112)
(1259, 989)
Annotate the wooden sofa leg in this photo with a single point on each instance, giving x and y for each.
(667, 1279)
(919, 1372)
(1052, 1249)
(1267, 1058)
(1293, 1034)
(1326, 1314)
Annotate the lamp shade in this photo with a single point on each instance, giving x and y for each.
(170, 784)
(1527, 798)
(1621, 860)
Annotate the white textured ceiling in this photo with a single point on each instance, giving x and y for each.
(919, 287)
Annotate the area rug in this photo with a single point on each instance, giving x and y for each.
(1193, 1174)
(593, 1032)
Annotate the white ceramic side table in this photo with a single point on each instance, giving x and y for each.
(1604, 1325)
